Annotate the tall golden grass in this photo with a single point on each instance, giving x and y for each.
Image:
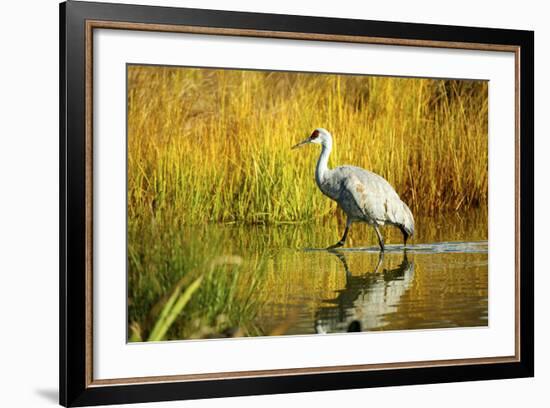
(213, 145)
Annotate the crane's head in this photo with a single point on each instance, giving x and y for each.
(319, 136)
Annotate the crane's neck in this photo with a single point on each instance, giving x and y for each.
(322, 163)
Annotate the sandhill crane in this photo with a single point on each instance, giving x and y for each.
(364, 196)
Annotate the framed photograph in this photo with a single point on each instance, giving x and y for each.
(256, 204)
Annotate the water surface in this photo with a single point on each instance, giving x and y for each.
(286, 282)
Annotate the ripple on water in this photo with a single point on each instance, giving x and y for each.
(456, 247)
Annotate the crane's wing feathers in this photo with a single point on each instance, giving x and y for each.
(366, 195)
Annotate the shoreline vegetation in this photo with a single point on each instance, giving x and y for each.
(211, 145)
(209, 149)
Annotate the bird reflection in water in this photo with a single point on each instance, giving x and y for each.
(366, 299)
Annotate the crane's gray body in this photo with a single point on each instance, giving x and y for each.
(365, 196)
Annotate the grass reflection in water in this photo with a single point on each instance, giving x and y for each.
(267, 280)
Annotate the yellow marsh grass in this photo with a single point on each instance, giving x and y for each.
(208, 145)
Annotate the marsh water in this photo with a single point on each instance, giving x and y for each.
(358, 289)
(285, 282)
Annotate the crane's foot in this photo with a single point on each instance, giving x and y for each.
(337, 245)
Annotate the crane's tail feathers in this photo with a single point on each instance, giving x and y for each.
(407, 222)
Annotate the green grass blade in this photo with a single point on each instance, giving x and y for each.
(171, 311)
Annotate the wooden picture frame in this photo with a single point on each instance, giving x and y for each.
(78, 20)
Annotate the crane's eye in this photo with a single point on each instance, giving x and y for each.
(315, 134)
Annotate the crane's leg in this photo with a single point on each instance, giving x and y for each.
(380, 239)
(344, 237)
(405, 236)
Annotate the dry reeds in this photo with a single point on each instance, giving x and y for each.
(208, 145)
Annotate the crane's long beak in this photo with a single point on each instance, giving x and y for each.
(302, 143)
